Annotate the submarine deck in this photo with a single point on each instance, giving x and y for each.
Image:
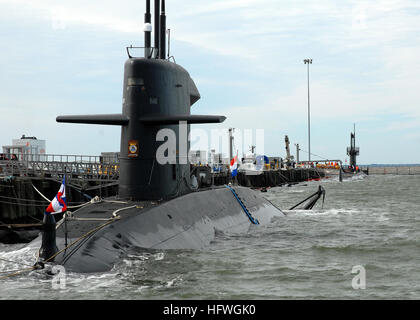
(93, 215)
(99, 233)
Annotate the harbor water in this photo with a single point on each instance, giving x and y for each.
(363, 243)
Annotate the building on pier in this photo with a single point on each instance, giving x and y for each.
(25, 148)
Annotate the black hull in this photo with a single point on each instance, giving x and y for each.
(187, 222)
(346, 175)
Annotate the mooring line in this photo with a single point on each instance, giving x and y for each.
(41, 194)
(275, 206)
(93, 200)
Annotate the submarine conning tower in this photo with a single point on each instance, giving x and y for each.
(353, 151)
(157, 97)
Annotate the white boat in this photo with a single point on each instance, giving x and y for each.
(249, 165)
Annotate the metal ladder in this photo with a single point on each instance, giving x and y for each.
(251, 218)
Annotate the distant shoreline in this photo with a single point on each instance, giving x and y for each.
(390, 165)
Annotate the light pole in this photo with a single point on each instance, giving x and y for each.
(309, 61)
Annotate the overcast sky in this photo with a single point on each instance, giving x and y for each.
(246, 57)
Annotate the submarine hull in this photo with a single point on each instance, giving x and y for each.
(348, 174)
(192, 221)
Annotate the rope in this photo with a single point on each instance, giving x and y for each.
(10, 271)
(18, 272)
(115, 201)
(118, 210)
(23, 204)
(151, 171)
(41, 193)
(93, 200)
(35, 203)
(22, 199)
(275, 206)
(81, 205)
(80, 238)
(313, 154)
(88, 219)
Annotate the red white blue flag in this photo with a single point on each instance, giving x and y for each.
(234, 166)
(58, 204)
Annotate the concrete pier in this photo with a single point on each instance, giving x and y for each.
(271, 178)
(275, 178)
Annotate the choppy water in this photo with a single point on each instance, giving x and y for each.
(373, 223)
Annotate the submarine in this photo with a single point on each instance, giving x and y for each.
(157, 206)
(353, 169)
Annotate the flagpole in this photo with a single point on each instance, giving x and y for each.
(236, 176)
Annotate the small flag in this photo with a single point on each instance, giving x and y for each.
(234, 166)
(58, 204)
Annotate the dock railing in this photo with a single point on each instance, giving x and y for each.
(91, 168)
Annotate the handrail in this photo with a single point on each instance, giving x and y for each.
(153, 52)
(89, 167)
(59, 158)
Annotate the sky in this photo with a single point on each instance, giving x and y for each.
(246, 58)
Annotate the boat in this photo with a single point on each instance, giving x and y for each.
(249, 165)
(156, 208)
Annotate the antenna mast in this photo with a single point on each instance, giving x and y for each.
(147, 31)
(162, 41)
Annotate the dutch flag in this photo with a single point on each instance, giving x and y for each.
(234, 166)
(59, 202)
